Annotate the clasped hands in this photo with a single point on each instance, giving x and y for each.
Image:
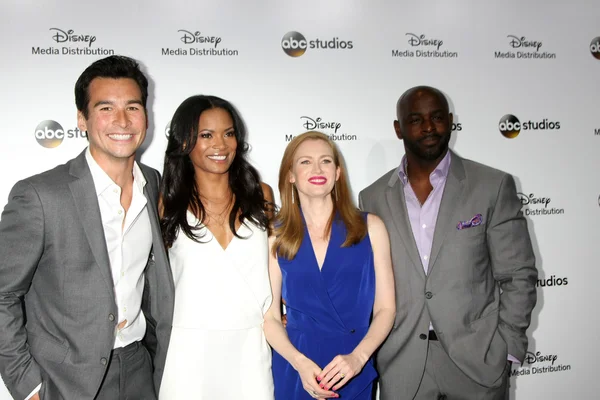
(322, 383)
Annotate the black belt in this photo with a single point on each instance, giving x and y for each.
(130, 348)
(432, 335)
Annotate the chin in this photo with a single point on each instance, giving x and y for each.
(433, 154)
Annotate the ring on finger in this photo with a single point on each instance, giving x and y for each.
(343, 375)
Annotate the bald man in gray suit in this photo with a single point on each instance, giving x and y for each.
(463, 264)
(86, 293)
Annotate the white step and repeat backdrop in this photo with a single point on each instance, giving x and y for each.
(522, 78)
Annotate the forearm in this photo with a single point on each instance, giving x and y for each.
(517, 281)
(517, 301)
(513, 265)
(279, 341)
(381, 325)
(19, 370)
(21, 247)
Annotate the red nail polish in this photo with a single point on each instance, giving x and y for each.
(318, 378)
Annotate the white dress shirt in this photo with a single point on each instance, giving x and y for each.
(128, 242)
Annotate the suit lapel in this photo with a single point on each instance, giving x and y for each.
(399, 214)
(452, 198)
(150, 191)
(88, 210)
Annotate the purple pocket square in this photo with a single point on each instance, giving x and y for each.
(475, 221)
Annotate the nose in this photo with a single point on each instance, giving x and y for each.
(428, 125)
(219, 142)
(121, 118)
(317, 167)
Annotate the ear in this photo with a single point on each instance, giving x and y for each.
(81, 122)
(338, 171)
(451, 119)
(397, 129)
(291, 178)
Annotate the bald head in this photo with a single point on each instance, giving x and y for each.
(413, 95)
(424, 124)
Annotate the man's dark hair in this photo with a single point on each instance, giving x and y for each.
(110, 67)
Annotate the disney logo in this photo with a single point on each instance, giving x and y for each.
(196, 37)
(531, 358)
(531, 199)
(415, 40)
(318, 123)
(69, 36)
(518, 42)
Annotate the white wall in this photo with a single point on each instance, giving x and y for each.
(357, 89)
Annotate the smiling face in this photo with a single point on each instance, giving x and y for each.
(116, 122)
(313, 169)
(424, 124)
(216, 144)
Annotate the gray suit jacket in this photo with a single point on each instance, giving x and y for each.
(480, 288)
(56, 292)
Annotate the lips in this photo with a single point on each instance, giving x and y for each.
(318, 180)
(430, 140)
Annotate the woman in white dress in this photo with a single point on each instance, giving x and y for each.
(215, 219)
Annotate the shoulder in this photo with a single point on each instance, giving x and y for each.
(375, 224)
(267, 190)
(380, 184)
(51, 179)
(488, 182)
(48, 187)
(477, 170)
(149, 171)
(269, 198)
(150, 174)
(378, 233)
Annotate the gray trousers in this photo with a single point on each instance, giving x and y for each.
(129, 375)
(444, 380)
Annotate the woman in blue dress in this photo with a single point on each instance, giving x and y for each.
(331, 265)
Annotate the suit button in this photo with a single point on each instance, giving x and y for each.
(103, 361)
(352, 331)
(428, 295)
(111, 317)
(422, 336)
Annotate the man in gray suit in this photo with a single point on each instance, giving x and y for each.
(463, 263)
(86, 293)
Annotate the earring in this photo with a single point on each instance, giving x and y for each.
(335, 192)
(292, 193)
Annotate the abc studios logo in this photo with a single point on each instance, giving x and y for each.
(49, 134)
(294, 44)
(509, 126)
(595, 47)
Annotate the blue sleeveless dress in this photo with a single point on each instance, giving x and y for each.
(328, 311)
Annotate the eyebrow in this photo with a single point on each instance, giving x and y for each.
(311, 157)
(416, 114)
(109, 102)
(231, 128)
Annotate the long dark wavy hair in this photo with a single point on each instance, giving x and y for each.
(178, 187)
